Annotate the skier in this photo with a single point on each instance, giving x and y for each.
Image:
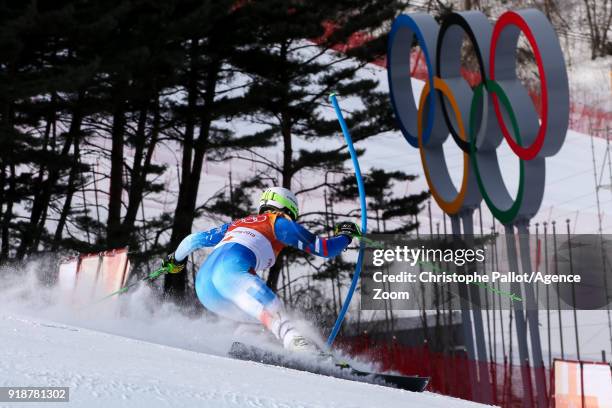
(227, 283)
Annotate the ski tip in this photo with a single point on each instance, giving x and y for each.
(332, 95)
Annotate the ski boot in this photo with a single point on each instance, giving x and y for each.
(301, 344)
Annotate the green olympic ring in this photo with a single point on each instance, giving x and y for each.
(503, 215)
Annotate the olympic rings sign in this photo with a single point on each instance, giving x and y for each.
(478, 119)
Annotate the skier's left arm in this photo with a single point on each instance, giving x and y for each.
(175, 262)
(293, 234)
(199, 240)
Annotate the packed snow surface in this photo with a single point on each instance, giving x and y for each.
(107, 370)
(133, 351)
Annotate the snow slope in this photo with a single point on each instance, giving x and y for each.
(104, 370)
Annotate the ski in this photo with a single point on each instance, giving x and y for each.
(328, 367)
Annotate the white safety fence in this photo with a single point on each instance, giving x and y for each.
(582, 384)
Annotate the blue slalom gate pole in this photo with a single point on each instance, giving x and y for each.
(364, 221)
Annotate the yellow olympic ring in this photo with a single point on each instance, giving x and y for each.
(448, 204)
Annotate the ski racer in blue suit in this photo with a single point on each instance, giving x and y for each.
(227, 282)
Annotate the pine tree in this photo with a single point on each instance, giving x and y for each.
(210, 94)
(37, 75)
(114, 79)
(384, 205)
(294, 68)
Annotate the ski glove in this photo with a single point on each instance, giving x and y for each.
(350, 229)
(172, 265)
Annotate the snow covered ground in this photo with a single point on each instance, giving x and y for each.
(166, 361)
(107, 370)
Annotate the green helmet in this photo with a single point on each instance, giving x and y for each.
(279, 198)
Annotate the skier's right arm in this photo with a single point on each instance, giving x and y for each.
(199, 240)
(293, 234)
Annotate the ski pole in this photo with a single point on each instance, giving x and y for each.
(152, 276)
(371, 242)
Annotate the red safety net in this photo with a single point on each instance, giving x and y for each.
(450, 374)
(583, 118)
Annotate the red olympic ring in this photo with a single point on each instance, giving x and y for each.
(529, 152)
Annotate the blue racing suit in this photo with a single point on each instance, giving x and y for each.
(227, 282)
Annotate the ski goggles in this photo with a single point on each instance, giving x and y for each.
(288, 204)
